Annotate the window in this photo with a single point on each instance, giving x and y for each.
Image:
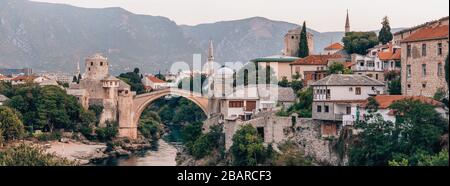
(349, 110)
(408, 51)
(370, 63)
(361, 62)
(101, 63)
(424, 70)
(358, 91)
(424, 85)
(292, 37)
(424, 50)
(327, 108)
(92, 63)
(89, 69)
(319, 108)
(409, 86)
(408, 71)
(439, 70)
(376, 76)
(350, 89)
(439, 49)
(236, 104)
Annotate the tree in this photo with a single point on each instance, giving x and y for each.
(10, 124)
(385, 35)
(109, 132)
(79, 78)
(134, 80)
(284, 82)
(304, 104)
(303, 49)
(338, 68)
(395, 87)
(296, 85)
(417, 131)
(359, 42)
(247, 148)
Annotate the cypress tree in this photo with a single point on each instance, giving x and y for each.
(79, 78)
(385, 35)
(303, 49)
(447, 69)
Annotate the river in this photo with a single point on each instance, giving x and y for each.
(163, 155)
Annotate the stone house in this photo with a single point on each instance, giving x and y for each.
(153, 83)
(423, 58)
(279, 64)
(312, 67)
(335, 98)
(332, 49)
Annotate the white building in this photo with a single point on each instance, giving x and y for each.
(336, 96)
(153, 83)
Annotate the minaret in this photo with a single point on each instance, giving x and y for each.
(210, 62)
(78, 69)
(347, 24)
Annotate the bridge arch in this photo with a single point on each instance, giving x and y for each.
(141, 102)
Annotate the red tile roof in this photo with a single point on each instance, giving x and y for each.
(155, 79)
(316, 59)
(335, 46)
(385, 101)
(21, 78)
(427, 33)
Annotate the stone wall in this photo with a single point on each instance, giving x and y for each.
(306, 132)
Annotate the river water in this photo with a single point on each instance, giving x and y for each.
(163, 155)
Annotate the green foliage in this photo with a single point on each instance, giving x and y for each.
(25, 155)
(303, 106)
(205, 144)
(337, 68)
(46, 108)
(133, 79)
(48, 136)
(395, 87)
(440, 159)
(177, 110)
(191, 132)
(385, 35)
(284, 82)
(439, 95)
(109, 132)
(247, 148)
(359, 42)
(150, 125)
(87, 123)
(10, 125)
(417, 131)
(160, 76)
(291, 155)
(97, 110)
(303, 50)
(372, 105)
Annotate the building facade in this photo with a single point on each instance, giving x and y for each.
(292, 40)
(423, 58)
(98, 87)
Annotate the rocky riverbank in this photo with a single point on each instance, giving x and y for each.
(89, 152)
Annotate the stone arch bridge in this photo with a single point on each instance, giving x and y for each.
(131, 108)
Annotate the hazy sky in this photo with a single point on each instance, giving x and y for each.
(321, 15)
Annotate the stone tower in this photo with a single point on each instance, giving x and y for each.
(347, 24)
(96, 67)
(292, 40)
